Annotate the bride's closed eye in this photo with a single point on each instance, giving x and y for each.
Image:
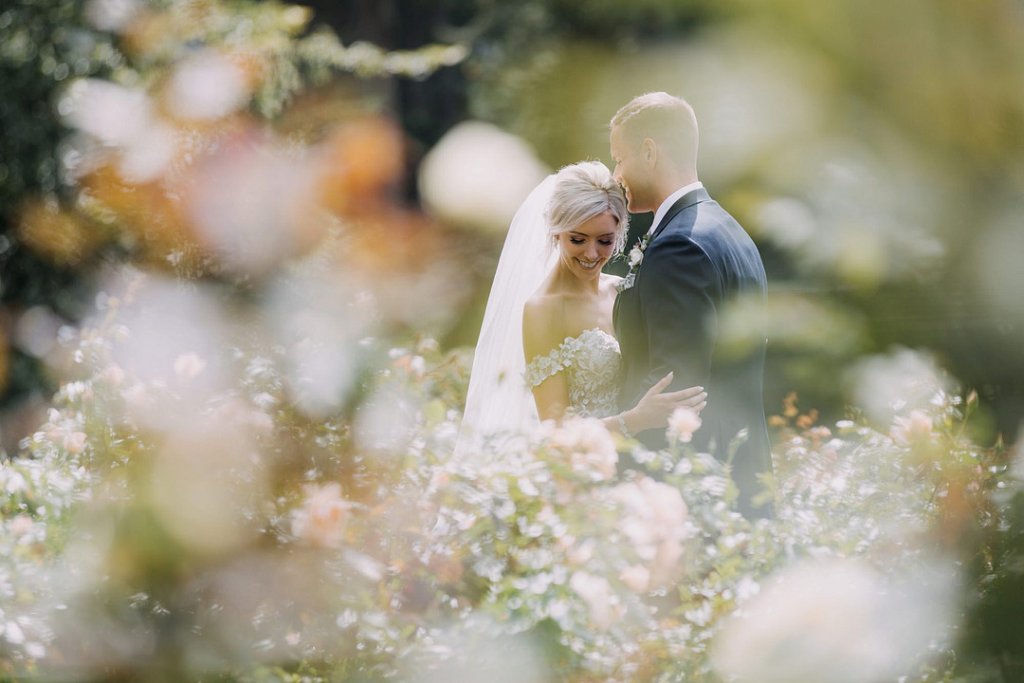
(579, 240)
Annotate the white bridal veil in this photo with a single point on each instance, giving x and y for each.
(498, 402)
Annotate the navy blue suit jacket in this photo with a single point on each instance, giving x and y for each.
(698, 259)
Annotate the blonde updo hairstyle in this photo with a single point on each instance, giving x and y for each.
(583, 191)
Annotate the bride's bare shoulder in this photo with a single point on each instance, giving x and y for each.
(542, 323)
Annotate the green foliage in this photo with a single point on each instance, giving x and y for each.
(43, 46)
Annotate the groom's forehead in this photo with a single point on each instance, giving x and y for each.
(620, 139)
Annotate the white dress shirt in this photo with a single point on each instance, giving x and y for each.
(669, 201)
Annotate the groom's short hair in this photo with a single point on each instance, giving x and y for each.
(666, 119)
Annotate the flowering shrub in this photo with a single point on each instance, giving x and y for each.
(215, 521)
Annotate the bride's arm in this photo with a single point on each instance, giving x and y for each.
(540, 336)
(552, 397)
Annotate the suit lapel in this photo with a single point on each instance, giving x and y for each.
(687, 200)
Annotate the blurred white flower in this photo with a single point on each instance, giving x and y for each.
(387, 420)
(145, 157)
(478, 175)
(253, 204)
(176, 338)
(319, 320)
(111, 15)
(124, 119)
(12, 480)
(682, 424)
(206, 85)
(899, 382)
(113, 114)
(789, 222)
(12, 632)
(322, 518)
(474, 649)
(834, 620)
(36, 331)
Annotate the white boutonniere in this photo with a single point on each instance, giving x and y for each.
(635, 258)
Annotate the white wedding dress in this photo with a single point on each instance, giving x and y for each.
(592, 364)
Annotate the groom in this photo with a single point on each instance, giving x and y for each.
(697, 259)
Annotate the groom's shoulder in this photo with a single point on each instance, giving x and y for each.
(708, 226)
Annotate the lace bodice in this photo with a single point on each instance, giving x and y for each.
(592, 364)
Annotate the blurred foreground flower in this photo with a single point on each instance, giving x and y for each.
(586, 446)
(206, 85)
(898, 382)
(912, 429)
(655, 522)
(321, 519)
(605, 607)
(839, 621)
(682, 424)
(478, 175)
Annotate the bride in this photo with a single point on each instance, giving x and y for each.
(546, 349)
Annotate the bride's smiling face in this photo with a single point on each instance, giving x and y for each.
(586, 248)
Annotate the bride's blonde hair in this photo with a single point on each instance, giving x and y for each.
(583, 191)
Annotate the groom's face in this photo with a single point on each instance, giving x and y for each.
(630, 170)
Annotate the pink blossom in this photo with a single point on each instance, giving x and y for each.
(322, 517)
(655, 522)
(189, 366)
(603, 605)
(682, 424)
(113, 375)
(74, 443)
(238, 412)
(915, 428)
(137, 395)
(589, 447)
(636, 577)
(21, 525)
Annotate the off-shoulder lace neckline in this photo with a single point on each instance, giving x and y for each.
(584, 333)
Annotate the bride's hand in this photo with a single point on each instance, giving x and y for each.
(654, 409)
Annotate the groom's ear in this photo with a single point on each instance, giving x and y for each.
(649, 150)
